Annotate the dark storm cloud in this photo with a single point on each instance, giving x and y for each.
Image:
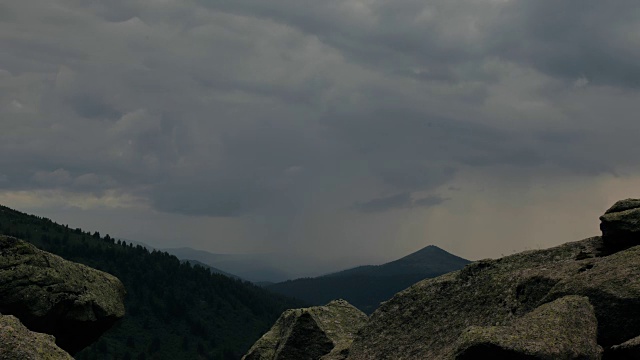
(403, 134)
(414, 176)
(429, 201)
(234, 200)
(571, 39)
(397, 36)
(304, 127)
(574, 39)
(250, 107)
(397, 201)
(91, 107)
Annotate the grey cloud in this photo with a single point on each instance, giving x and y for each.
(429, 201)
(35, 54)
(59, 177)
(71, 182)
(440, 40)
(403, 175)
(386, 35)
(228, 201)
(573, 39)
(92, 107)
(397, 201)
(203, 108)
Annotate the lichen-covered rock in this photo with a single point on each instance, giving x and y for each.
(70, 301)
(19, 343)
(541, 334)
(630, 349)
(319, 332)
(426, 320)
(429, 319)
(620, 225)
(612, 284)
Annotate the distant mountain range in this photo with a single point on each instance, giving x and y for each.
(252, 267)
(363, 286)
(366, 286)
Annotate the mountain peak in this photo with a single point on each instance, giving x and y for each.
(432, 257)
(366, 286)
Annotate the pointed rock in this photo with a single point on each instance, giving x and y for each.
(319, 332)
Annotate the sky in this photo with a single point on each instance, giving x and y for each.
(326, 134)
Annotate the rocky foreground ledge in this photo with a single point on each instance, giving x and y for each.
(580, 300)
(41, 293)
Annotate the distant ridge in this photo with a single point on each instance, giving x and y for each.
(212, 269)
(366, 286)
(250, 267)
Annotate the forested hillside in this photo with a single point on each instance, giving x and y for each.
(173, 310)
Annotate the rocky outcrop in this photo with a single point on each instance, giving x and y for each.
(19, 343)
(539, 334)
(319, 332)
(620, 224)
(579, 300)
(492, 307)
(70, 301)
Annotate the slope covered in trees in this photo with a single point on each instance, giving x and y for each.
(174, 310)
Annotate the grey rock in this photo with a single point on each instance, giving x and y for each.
(620, 225)
(70, 301)
(540, 334)
(319, 332)
(623, 205)
(426, 320)
(19, 343)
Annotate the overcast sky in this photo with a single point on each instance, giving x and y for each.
(341, 132)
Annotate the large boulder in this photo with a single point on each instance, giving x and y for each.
(435, 318)
(540, 334)
(319, 332)
(70, 301)
(19, 343)
(620, 225)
